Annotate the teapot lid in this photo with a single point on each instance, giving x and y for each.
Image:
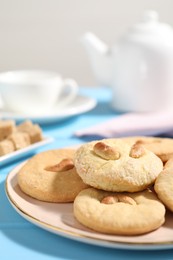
(150, 26)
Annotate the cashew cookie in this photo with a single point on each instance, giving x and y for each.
(117, 165)
(51, 176)
(162, 147)
(119, 213)
(164, 185)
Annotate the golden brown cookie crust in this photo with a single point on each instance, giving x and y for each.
(162, 147)
(48, 185)
(133, 169)
(121, 218)
(164, 185)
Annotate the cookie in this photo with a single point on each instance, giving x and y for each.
(162, 147)
(119, 213)
(164, 185)
(51, 176)
(117, 165)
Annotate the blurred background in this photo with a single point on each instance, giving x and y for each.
(45, 34)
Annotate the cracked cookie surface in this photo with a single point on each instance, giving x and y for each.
(164, 185)
(162, 147)
(117, 165)
(119, 213)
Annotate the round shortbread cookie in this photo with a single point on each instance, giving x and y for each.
(119, 213)
(51, 176)
(164, 185)
(162, 147)
(117, 165)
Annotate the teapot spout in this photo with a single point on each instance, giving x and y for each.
(99, 57)
(94, 44)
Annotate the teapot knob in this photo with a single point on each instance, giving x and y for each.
(150, 16)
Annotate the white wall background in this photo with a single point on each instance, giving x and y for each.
(45, 34)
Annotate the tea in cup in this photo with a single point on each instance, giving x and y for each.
(35, 91)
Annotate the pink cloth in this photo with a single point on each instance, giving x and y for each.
(131, 124)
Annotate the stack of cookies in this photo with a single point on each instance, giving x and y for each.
(120, 201)
(14, 137)
(110, 181)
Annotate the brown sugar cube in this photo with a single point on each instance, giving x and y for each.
(33, 130)
(20, 140)
(35, 134)
(6, 147)
(7, 127)
(25, 126)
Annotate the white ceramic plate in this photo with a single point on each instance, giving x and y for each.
(80, 105)
(24, 151)
(58, 218)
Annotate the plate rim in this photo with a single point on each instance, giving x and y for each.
(80, 237)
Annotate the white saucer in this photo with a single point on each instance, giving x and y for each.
(80, 105)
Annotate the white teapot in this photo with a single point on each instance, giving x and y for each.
(139, 68)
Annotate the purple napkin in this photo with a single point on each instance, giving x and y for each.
(131, 124)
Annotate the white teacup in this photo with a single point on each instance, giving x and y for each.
(35, 91)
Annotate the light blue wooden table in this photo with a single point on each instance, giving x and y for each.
(19, 239)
